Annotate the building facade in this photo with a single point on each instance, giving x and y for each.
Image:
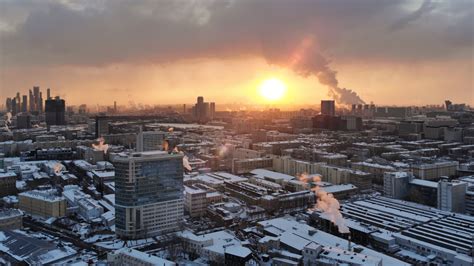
(149, 193)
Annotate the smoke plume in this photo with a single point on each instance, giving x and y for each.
(327, 203)
(58, 168)
(8, 121)
(307, 60)
(101, 146)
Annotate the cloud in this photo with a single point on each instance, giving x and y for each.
(426, 7)
(107, 32)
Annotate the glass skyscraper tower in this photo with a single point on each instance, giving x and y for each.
(148, 193)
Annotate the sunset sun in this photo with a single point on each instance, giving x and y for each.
(272, 89)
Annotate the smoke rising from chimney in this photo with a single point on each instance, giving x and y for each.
(58, 168)
(8, 121)
(101, 146)
(327, 203)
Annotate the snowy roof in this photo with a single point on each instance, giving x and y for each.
(424, 183)
(238, 251)
(46, 195)
(262, 173)
(142, 256)
(339, 188)
(7, 174)
(294, 233)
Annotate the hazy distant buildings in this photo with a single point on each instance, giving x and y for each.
(148, 193)
(33, 102)
(23, 121)
(328, 107)
(203, 111)
(55, 111)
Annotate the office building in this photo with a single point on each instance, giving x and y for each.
(328, 107)
(23, 121)
(395, 184)
(24, 104)
(7, 183)
(150, 140)
(203, 111)
(55, 111)
(148, 193)
(44, 203)
(451, 195)
(434, 171)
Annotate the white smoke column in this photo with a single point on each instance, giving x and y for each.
(58, 168)
(101, 146)
(8, 121)
(8, 118)
(165, 145)
(327, 203)
(330, 206)
(186, 164)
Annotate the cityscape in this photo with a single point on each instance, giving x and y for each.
(222, 133)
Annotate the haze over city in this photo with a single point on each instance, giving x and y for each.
(168, 52)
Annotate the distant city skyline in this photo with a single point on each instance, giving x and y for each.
(388, 52)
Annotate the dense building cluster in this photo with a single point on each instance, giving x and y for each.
(356, 185)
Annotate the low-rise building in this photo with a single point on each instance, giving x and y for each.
(434, 171)
(11, 219)
(129, 256)
(44, 203)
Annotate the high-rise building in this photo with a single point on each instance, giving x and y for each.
(36, 97)
(149, 193)
(40, 103)
(213, 110)
(24, 104)
(203, 111)
(451, 195)
(8, 104)
(23, 120)
(48, 94)
(55, 111)
(328, 107)
(32, 101)
(18, 103)
(14, 106)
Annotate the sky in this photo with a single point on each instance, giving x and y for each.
(388, 52)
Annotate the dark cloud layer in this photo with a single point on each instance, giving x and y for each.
(107, 32)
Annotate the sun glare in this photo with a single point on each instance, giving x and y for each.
(272, 89)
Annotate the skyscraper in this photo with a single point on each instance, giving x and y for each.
(24, 104)
(55, 111)
(328, 107)
(149, 193)
(36, 97)
(32, 101)
(203, 111)
(212, 111)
